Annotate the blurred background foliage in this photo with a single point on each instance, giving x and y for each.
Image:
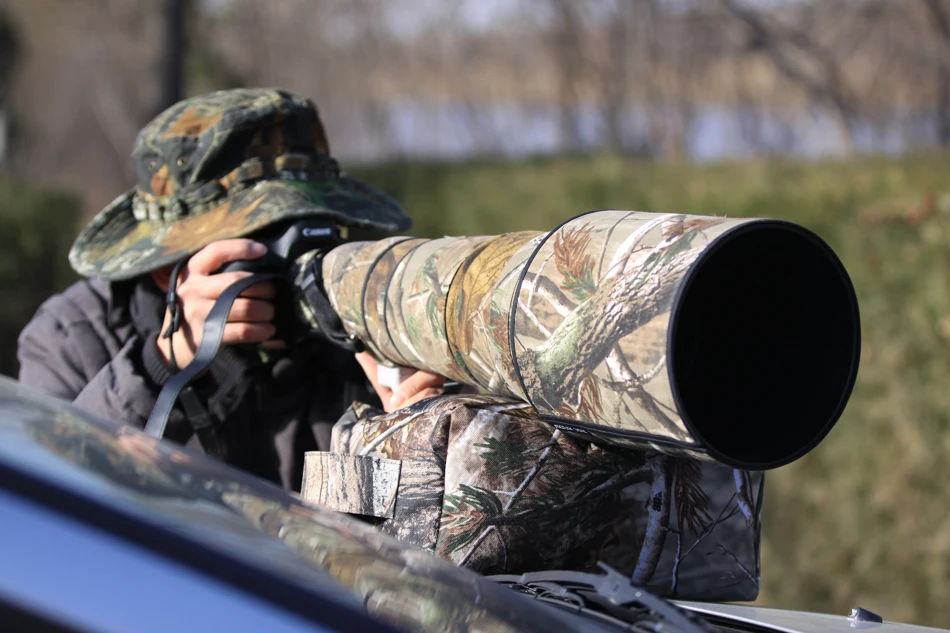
(486, 116)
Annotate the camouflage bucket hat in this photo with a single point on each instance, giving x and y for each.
(220, 166)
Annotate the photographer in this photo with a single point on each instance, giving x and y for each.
(212, 170)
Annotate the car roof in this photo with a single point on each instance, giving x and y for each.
(789, 621)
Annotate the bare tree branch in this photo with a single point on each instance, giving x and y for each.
(826, 84)
(940, 20)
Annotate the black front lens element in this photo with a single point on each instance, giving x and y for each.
(764, 344)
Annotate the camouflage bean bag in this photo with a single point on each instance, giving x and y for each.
(482, 481)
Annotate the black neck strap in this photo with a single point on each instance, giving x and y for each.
(211, 337)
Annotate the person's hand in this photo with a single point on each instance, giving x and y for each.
(418, 386)
(251, 315)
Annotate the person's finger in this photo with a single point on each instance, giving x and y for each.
(371, 369)
(241, 333)
(195, 310)
(385, 396)
(209, 286)
(263, 290)
(416, 383)
(421, 380)
(251, 310)
(368, 363)
(212, 286)
(430, 392)
(217, 254)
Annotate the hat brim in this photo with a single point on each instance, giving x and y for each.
(117, 246)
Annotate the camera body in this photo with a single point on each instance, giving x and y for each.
(285, 242)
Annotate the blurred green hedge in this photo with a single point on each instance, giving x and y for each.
(37, 227)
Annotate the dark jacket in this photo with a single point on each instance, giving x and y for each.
(94, 345)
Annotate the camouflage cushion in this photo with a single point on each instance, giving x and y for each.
(224, 165)
(482, 481)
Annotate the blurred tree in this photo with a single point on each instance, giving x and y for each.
(175, 52)
(566, 45)
(616, 74)
(940, 22)
(87, 83)
(9, 54)
(801, 58)
(206, 69)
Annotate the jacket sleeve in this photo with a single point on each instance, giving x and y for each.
(68, 351)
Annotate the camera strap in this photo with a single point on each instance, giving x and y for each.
(328, 321)
(177, 385)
